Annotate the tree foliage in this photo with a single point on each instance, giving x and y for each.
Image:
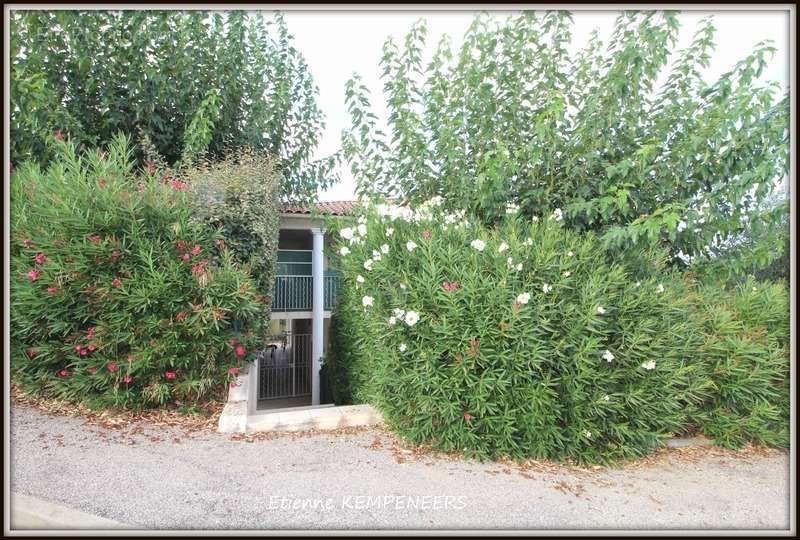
(626, 137)
(193, 82)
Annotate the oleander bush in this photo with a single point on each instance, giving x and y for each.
(529, 340)
(118, 297)
(746, 349)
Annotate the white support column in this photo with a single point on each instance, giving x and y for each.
(317, 309)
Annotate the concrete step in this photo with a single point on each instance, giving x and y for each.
(313, 418)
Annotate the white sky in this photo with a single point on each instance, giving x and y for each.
(338, 43)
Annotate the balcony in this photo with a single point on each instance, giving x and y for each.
(293, 283)
(294, 293)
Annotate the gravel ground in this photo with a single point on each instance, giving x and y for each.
(165, 478)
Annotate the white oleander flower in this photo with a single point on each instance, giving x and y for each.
(519, 267)
(606, 398)
(502, 247)
(367, 301)
(399, 313)
(402, 347)
(557, 214)
(535, 218)
(392, 320)
(385, 249)
(638, 284)
(362, 220)
(362, 230)
(346, 233)
(512, 208)
(608, 356)
(528, 242)
(660, 288)
(480, 245)
(403, 286)
(410, 245)
(523, 298)
(344, 251)
(546, 288)
(376, 256)
(601, 310)
(368, 264)
(567, 273)
(360, 278)
(510, 261)
(588, 434)
(570, 254)
(649, 365)
(411, 318)
(389, 231)
(754, 289)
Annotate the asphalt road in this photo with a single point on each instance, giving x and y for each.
(160, 477)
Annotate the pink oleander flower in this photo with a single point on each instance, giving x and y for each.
(233, 371)
(33, 274)
(40, 258)
(186, 257)
(31, 353)
(127, 379)
(115, 255)
(95, 239)
(101, 183)
(196, 250)
(170, 375)
(90, 332)
(112, 367)
(28, 243)
(92, 370)
(180, 186)
(63, 373)
(241, 352)
(468, 416)
(426, 235)
(52, 290)
(92, 347)
(450, 287)
(116, 282)
(59, 135)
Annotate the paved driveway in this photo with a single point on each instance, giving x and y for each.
(149, 477)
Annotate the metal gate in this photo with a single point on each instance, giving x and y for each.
(285, 367)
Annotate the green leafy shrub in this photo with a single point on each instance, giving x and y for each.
(524, 340)
(239, 195)
(117, 297)
(746, 349)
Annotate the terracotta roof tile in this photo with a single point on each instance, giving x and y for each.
(330, 208)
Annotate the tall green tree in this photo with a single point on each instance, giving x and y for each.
(192, 82)
(515, 116)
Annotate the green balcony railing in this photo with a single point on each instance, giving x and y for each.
(295, 293)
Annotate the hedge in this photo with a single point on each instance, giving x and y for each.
(528, 340)
(119, 298)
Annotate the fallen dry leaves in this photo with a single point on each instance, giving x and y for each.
(204, 421)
